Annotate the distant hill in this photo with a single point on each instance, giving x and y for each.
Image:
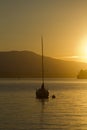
(26, 64)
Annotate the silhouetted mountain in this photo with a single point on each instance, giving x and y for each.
(28, 64)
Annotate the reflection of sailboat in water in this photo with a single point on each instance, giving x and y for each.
(42, 116)
(42, 93)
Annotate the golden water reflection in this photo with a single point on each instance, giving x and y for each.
(67, 111)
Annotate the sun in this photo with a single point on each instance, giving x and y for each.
(82, 49)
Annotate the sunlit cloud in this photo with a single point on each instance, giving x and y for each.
(74, 58)
(70, 57)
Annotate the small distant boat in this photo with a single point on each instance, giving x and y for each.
(42, 92)
(53, 96)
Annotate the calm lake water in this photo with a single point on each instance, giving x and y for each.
(20, 110)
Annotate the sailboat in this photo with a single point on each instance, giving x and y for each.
(42, 92)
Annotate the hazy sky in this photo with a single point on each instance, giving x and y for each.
(63, 24)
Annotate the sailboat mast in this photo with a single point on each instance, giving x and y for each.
(42, 61)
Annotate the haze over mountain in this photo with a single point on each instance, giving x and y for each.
(19, 64)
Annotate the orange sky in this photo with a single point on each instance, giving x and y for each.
(63, 24)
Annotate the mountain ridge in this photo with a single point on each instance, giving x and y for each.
(27, 64)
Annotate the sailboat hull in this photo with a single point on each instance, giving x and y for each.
(42, 93)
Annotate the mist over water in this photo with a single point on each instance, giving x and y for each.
(20, 110)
